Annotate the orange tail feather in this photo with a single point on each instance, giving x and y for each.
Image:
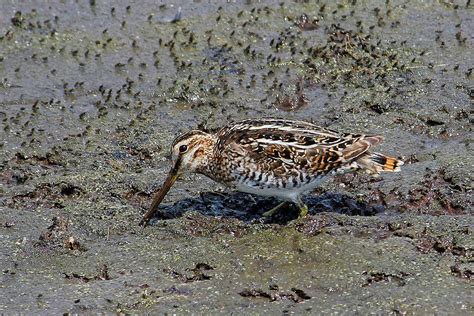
(376, 163)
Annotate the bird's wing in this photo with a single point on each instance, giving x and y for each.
(284, 145)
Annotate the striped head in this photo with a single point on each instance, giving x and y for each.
(190, 152)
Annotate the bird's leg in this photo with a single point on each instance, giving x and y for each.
(302, 207)
(274, 210)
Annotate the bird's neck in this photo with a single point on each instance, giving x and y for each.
(205, 156)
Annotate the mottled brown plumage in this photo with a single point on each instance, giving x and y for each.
(273, 157)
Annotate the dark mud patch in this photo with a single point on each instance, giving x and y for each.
(249, 208)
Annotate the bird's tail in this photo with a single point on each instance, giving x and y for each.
(375, 163)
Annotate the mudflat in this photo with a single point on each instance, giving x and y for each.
(92, 94)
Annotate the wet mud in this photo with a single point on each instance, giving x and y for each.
(92, 94)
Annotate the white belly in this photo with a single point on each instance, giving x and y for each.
(289, 193)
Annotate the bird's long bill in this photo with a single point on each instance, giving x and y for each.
(160, 195)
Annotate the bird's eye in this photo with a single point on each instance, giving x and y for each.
(183, 148)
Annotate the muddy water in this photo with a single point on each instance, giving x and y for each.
(92, 93)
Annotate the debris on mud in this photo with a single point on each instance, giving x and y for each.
(57, 235)
(198, 273)
(463, 273)
(103, 275)
(427, 242)
(296, 295)
(46, 195)
(435, 196)
(8, 224)
(257, 293)
(375, 277)
(305, 24)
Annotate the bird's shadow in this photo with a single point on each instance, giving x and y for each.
(249, 208)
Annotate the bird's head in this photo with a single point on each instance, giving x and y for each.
(190, 153)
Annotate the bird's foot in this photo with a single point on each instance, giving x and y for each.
(301, 215)
(274, 210)
(303, 211)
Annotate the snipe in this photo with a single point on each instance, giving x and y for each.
(273, 157)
